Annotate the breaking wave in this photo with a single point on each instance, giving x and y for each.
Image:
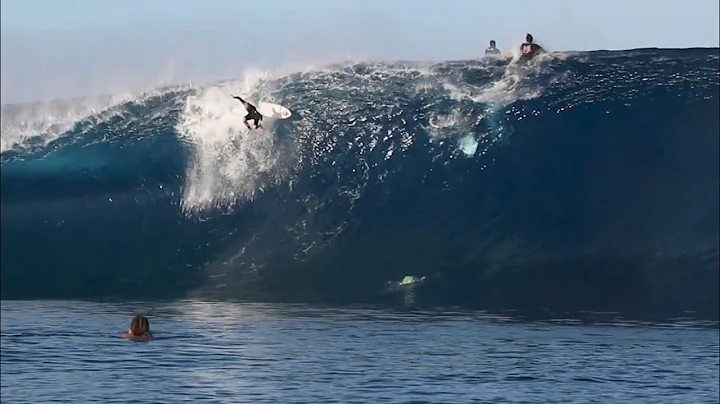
(587, 181)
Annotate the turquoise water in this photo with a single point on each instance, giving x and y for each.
(254, 353)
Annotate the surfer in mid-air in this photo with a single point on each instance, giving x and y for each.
(252, 113)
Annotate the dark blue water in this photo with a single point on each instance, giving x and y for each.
(592, 184)
(70, 352)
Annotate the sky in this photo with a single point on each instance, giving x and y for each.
(60, 49)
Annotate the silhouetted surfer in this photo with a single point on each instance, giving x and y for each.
(252, 113)
(529, 50)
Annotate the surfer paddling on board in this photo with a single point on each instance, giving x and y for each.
(529, 50)
(139, 329)
(252, 113)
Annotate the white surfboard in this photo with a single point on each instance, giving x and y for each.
(272, 110)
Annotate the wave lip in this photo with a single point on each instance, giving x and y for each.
(591, 183)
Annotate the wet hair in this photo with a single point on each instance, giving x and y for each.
(139, 325)
(529, 38)
(492, 43)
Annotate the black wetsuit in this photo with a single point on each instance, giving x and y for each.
(252, 113)
(529, 50)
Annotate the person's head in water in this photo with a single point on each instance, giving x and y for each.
(492, 44)
(139, 326)
(529, 38)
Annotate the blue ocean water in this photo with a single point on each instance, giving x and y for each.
(225, 352)
(590, 184)
(583, 187)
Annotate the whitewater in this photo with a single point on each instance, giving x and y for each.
(590, 184)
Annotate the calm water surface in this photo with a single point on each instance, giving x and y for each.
(250, 353)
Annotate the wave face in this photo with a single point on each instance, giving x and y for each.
(590, 184)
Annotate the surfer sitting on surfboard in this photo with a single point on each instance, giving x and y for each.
(252, 113)
(492, 50)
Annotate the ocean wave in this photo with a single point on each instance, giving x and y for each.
(586, 181)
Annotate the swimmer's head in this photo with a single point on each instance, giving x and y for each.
(528, 38)
(492, 44)
(139, 325)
